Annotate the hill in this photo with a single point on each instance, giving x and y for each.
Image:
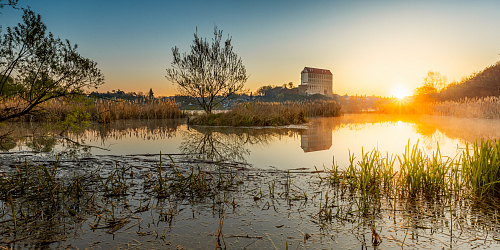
(481, 84)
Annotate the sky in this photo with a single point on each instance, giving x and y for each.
(380, 48)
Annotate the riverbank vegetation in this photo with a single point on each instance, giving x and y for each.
(45, 204)
(487, 107)
(269, 114)
(37, 67)
(100, 110)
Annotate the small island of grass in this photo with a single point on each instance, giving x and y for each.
(269, 114)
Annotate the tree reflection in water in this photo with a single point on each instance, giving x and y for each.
(144, 129)
(38, 138)
(228, 143)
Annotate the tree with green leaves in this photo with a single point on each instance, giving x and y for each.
(211, 73)
(42, 68)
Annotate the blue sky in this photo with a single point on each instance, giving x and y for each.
(371, 47)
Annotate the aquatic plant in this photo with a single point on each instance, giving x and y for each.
(110, 110)
(481, 169)
(40, 201)
(270, 113)
(115, 183)
(192, 184)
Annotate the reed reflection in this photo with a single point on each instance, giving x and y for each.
(141, 129)
(39, 137)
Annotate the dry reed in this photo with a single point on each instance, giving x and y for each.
(103, 111)
(106, 111)
(488, 107)
(270, 113)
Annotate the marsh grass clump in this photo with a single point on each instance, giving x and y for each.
(474, 174)
(269, 114)
(481, 168)
(115, 183)
(422, 174)
(359, 193)
(35, 199)
(193, 183)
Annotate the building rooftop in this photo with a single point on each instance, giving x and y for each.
(317, 71)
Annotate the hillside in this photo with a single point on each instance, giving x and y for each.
(481, 84)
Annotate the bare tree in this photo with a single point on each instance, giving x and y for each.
(36, 67)
(211, 73)
(11, 3)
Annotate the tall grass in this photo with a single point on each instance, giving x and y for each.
(475, 173)
(270, 113)
(106, 111)
(103, 111)
(487, 107)
(481, 168)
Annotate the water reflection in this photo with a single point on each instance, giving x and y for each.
(294, 147)
(141, 129)
(227, 143)
(318, 137)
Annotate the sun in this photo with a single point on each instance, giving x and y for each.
(400, 92)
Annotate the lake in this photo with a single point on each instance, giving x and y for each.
(290, 147)
(274, 197)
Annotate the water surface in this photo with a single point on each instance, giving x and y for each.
(317, 143)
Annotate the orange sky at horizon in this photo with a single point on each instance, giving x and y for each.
(377, 48)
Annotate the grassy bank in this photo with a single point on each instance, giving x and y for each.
(102, 111)
(270, 114)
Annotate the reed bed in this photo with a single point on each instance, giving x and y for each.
(107, 111)
(102, 111)
(43, 204)
(475, 173)
(411, 186)
(487, 107)
(270, 113)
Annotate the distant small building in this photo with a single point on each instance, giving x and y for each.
(316, 81)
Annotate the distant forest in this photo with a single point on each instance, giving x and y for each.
(131, 96)
(477, 85)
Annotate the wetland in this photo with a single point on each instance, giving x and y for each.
(346, 182)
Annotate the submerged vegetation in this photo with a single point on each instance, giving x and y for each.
(270, 114)
(424, 196)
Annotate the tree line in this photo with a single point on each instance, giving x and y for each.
(477, 85)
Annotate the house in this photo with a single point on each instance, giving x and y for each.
(316, 81)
